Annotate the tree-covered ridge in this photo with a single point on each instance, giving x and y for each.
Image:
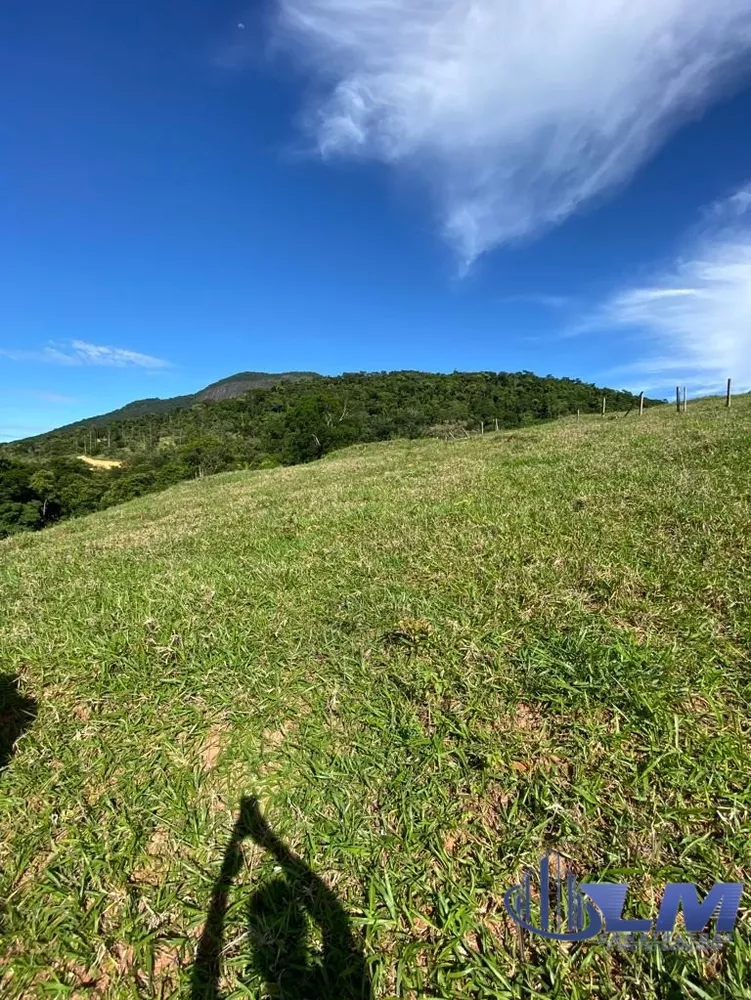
(42, 480)
(225, 388)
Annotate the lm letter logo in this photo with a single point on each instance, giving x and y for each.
(579, 911)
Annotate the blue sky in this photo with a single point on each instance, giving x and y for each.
(189, 190)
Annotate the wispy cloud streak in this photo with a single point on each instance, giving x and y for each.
(513, 112)
(693, 320)
(79, 352)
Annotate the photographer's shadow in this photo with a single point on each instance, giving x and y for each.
(278, 918)
(17, 712)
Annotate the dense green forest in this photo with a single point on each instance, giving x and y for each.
(42, 480)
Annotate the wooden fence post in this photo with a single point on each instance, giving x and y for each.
(684, 399)
(678, 398)
(603, 406)
(496, 423)
(641, 403)
(727, 395)
(577, 416)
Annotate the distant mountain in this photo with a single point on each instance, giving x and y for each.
(225, 388)
(237, 385)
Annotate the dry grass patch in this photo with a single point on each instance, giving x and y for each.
(101, 463)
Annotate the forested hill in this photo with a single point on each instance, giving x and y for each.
(284, 414)
(290, 421)
(225, 388)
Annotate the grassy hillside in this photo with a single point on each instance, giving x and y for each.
(429, 661)
(293, 421)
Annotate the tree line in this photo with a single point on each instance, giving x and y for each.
(42, 480)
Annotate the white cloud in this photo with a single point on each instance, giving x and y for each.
(91, 354)
(79, 352)
(513, 112)
(693, 321)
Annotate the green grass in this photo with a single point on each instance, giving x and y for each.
(429, 661)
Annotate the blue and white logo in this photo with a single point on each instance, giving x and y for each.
(567, 910)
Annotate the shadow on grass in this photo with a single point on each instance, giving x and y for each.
(17, 712)
(278, 926)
